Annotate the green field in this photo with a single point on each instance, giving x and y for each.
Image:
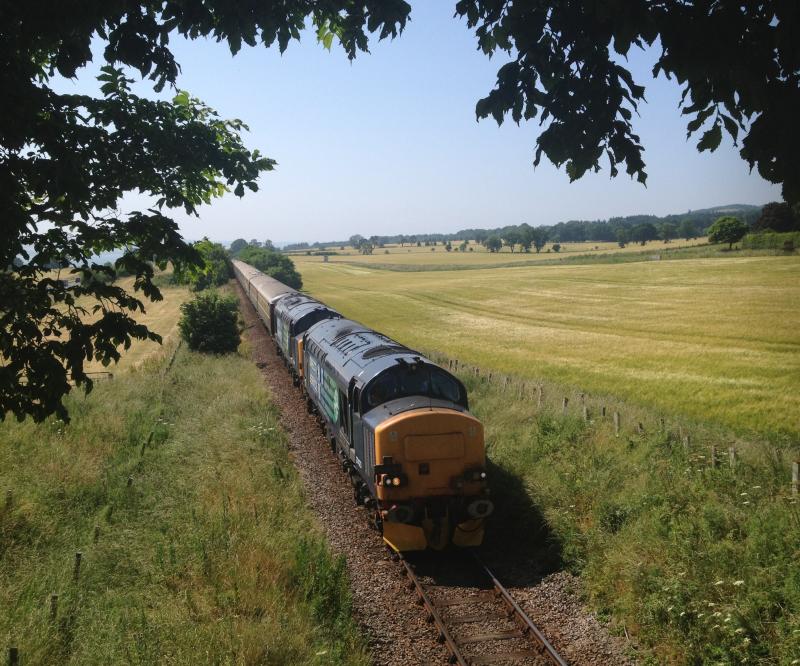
(176, 486)
(717, 340)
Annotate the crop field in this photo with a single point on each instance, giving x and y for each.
(717, 340)
(160, 316)
(421, 256)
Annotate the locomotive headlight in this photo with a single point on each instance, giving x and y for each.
(396, 481)
(387, 480)
(483, 475)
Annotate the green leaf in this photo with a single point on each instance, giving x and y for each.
(711, 139)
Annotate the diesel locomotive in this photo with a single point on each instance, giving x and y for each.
(398, 422)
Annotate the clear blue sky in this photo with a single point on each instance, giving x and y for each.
(389, 143)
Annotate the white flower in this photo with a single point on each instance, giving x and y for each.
(719, 582)
(737, 583)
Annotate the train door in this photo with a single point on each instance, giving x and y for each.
(356, 431)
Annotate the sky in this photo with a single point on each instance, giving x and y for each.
(389, 143)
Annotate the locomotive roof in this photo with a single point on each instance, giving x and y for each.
(355, 351)
(297, 305)
(267, 286)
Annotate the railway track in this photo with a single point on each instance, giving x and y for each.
(478, 620)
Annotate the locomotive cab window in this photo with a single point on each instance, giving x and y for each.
(413, 379)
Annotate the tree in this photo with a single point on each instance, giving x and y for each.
(728, 230)
(238, 245)
(463, 246)
(355, 241)
(213, 270)
(525, 236)
(365, 247)
(210, 324)
(538, 238)
(268, 245)
(642, 233)
(274, 264)
(737, 63)
(67, 161)
(493, 243)
(777, 217)
(687, 230)
(622, 236)
(448, 246)
(668, 231)
(556, 247)
(511, 239)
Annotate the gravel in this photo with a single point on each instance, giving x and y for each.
(386, 609)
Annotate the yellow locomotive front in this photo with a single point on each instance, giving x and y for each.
(430, 478)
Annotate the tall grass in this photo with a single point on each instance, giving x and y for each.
(205, 553)
(698, 562)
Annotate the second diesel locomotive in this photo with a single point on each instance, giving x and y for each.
(399, 423)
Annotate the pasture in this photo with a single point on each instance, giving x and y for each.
(715, 340)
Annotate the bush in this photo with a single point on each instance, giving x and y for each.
(210, 324)
(770, 241)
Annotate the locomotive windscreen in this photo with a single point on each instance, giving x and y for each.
(409, 379)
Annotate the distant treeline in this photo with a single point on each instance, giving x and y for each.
(691, 224)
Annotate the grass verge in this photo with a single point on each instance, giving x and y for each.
(176, 486)
(698, 561)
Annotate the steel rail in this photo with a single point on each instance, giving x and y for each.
(541, 646)
(529, 627)
(455, 652)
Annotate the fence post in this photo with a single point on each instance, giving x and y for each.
(564, 406)
(603, 411)
(585, 413)
(795, 477)
(53, 606)
(13, 656)
(539, 397)
(76, 571)
(616, 424)
(640, 428)
(713, 455)
(732, 456)
(9, 499)
(687, 442)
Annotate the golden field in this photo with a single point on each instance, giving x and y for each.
(710, 339)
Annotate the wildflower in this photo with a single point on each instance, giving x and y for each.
(756, 487)
(719, 582)
(699, 615)
(739, 631)
(742, 494)
(682, 613)
(746, 641)
(745, 502)
(669, 610)
(737, 583)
